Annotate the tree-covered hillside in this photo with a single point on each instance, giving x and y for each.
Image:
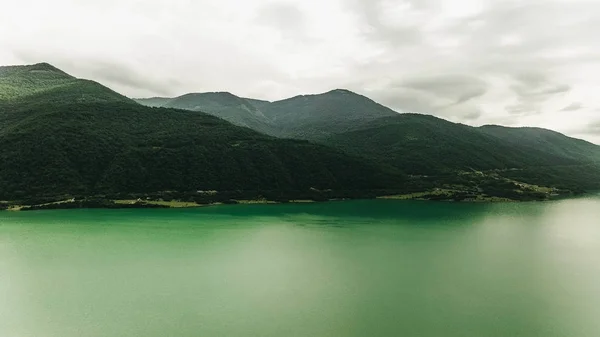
(436, 150)
(19, 81)
(426, 145)
(547, 141)
(316, 116)
(62, 136)
(154, 102)
(423, 144)
(80, 138)
(227, 106)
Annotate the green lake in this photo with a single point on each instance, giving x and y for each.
(354, 268)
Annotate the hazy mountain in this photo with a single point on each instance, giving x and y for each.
(155, 102)
(426, 144)
(66, 136)
(316, 116)
(62, 135)
(548, 141)
(258, 103)
(303, 117)
(227, 106)
(423, 144)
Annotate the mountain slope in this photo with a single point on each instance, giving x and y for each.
(422, 144)
(258, 103)
(19, 83)
(426, 145)
(316, 116)
(154, 102)
(548, 141)
(224, 105)
(79, 138)
(429, 147)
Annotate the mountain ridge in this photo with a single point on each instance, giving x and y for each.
(82, 139)
(262, 102)
(68, 136)
(225, 105)
(420, 144)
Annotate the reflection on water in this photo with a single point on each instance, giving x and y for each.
(360, 268)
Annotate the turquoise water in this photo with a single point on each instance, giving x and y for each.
(356, 268)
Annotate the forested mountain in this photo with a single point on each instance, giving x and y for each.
(154, 102)
(426, 145)
(64, 136)
(20, 84)
(227, 106)
(316, 116)
(423, 145)
(548, 141)
(18, 81)
(258, 103)
(308, 117)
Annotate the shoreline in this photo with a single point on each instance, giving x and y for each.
(149, 204)
(430, 196)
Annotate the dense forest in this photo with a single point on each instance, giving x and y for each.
(67, 138)
(79, 138)
(433, 151)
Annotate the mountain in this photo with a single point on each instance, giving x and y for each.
(435, 152)
(155, 102)
(548, 141)
(19, 83)
(316, 116)
(63, 136)
(258, 103)
(426, 145)
(308, 117)
(227, 106)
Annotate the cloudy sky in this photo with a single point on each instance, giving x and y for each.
(509, 62)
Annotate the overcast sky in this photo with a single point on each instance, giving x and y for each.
(521, 62)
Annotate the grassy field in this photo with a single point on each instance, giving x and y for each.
(170, 204)
(445, 194)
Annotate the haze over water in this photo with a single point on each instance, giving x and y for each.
(356, 268)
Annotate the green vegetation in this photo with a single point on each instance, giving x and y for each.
(315, 116)
(154, 102)
(41, 83)
(547, 141)
(229, 107)
(81, 139)
(422, 144)
(430, 149)
(69, 139)
(20, 81)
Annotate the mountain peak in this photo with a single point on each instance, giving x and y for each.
(27, 70)
(21, 81)
(342, 91)
(44, 66)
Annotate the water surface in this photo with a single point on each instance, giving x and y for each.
(357, 268)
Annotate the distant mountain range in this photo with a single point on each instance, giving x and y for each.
(415, 144)
(64, 137)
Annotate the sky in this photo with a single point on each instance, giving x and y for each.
(508, 62)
